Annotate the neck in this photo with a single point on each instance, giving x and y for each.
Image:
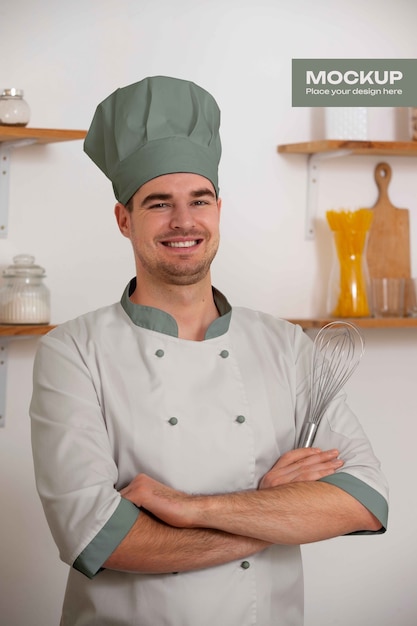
(192, 306)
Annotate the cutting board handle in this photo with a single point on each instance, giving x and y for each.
(382, 178)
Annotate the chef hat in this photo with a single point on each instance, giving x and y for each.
(157, 126)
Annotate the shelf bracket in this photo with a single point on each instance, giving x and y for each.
(314, 161)
(3, 381)
(6, 148)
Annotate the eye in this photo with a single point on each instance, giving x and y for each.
(158, 205)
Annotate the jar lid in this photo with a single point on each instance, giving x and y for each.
(12, 91)
(24, 265)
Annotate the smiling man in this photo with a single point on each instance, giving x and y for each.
(164, 426)
(173, 224)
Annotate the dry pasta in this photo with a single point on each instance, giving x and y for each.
(350, 229)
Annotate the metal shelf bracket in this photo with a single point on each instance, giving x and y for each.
(6, 148)
(313, 165)
(3, 381)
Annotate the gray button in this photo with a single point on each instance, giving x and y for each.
(159, 353)
(245, 565)
(224, 354)
(240, 419)
(173, 421)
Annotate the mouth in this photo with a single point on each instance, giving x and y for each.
(188, 243)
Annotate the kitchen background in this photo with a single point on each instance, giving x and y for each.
(68, 56)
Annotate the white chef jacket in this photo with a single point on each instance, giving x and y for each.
(117, 393)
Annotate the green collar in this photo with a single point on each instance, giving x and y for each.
(156, 319)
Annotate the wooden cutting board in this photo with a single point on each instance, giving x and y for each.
(388, 252)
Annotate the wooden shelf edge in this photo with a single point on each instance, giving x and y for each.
(33, 330)
(24, 330)
(393, 148)
(40, 135)
(362, 322)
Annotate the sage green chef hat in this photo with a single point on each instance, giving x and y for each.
(157, 126)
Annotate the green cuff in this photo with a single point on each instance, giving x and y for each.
(366, 495)
(91, 559)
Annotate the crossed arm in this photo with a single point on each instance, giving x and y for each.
(181, 532)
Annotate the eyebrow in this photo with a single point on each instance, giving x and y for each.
(153, 197)
(161, 197)
(205, 191)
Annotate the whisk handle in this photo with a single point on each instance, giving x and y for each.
(307, 434)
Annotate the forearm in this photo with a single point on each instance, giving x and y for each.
(154, 547)
(294, 513)
(290, 514)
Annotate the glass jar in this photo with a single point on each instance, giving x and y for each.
(14, 110)
(24, 299)
(348, 294)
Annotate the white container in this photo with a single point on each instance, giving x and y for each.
(346, 123)
(14, 110)
(24, 299)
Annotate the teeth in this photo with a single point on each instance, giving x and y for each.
(181, 244)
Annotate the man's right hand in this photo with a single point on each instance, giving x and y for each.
(301, 465)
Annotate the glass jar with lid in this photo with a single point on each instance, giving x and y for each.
(14, 110)
(24, 298)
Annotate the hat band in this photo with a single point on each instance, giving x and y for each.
(170, 155)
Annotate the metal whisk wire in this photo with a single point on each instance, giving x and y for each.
(337, 351)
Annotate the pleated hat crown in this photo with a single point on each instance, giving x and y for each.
(157, 126)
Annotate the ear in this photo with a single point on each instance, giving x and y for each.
(123, 219)
(219, 205)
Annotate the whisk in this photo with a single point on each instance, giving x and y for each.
(337, 350)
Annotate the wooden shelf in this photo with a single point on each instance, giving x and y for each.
(318, 151)
(39, 135)
(392, 148)
(362, 322)
(24, 330)
(33, 330)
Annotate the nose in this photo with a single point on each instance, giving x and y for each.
(182, 217)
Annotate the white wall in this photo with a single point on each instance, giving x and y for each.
(67, 56)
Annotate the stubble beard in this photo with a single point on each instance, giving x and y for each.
(182, 272)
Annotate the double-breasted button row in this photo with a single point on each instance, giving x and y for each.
(160, 353)
(240, 419)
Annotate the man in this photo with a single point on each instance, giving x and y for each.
(165, 426)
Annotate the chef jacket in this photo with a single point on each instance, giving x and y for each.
(117, 393)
